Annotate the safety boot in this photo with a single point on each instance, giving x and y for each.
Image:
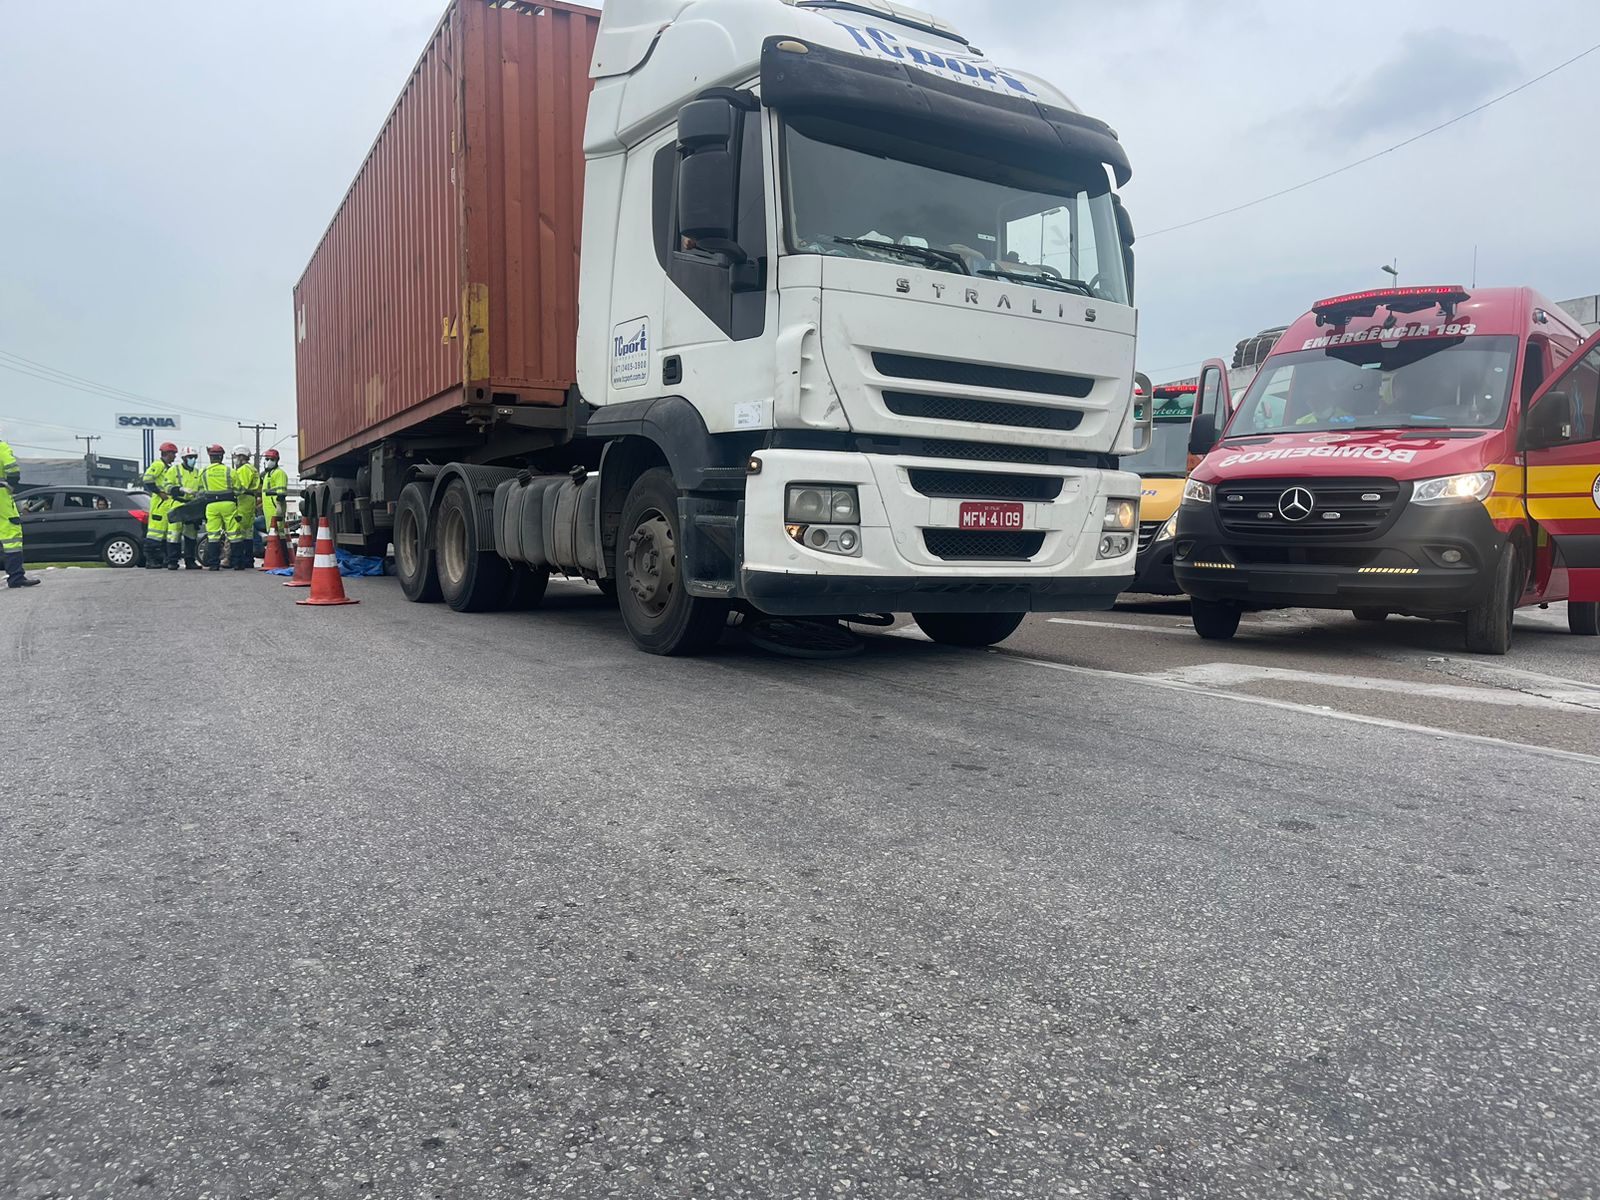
(191, 547)
(174, 549)
(155, 555)
(15, 578)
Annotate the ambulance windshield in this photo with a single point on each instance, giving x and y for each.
(958, 215)
(1416, 383)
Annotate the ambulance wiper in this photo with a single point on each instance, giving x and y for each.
(1076, 286)
(947, 259)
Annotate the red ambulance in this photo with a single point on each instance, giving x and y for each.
(1430, 451)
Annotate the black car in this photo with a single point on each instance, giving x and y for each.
(83, 524)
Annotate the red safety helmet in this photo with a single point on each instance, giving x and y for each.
(168, 448)
(270, 454)
(215, 449)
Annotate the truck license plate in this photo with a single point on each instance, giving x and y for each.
(991, 516)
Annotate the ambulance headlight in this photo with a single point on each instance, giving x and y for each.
(1168, 529)
(1452, 489)
(1195, 492)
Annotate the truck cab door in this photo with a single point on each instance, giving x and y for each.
(1561, 441)
(1212, 407)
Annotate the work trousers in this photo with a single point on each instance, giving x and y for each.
(10, 535)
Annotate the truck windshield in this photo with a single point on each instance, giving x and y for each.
(1168, 456)
(963, 216)
(1418, 383)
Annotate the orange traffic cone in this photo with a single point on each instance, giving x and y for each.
(327, 585)
(277, 559)
(304, 560)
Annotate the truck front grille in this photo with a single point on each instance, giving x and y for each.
(981, 412)
(1338, 507)
(955, 545)
(983, 375)
(978, 485)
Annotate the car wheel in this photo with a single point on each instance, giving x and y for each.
(661, 616)
(968, 629)
(1583, 618)
(1214, 620)
(1489, 624)
(120, 551)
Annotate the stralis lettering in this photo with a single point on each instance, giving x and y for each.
(1369, 453)
(976, 71)
(1056, 310)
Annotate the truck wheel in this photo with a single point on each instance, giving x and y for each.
(1213, 620)
(661, 615)
(1584, 618)
(1489, 624)
(968, 629)
(470, 580)
(1375, 615)
(413, 547)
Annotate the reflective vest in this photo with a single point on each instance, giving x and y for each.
(10, 472)
(155, 478)
(218, 477)
(275, 483)
(184, 479)
(247, 482)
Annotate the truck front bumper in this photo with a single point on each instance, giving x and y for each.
(1404, 570)
(1054, 565)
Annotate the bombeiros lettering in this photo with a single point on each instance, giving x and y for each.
(1366, 453)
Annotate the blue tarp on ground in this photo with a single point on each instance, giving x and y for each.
(350, 565)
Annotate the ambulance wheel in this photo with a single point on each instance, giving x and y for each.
(1584, 618)
(661, 616)
(968, 629)
(1214, 620)
(413, 547)
(1489, 624)
(1375, 615)
(471, 580)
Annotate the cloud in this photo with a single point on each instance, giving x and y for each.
(1433, 75)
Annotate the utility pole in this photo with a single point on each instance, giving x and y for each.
(258, 430)
(88, 440)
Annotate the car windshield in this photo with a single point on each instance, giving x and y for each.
(963, 217)
(1418, 383)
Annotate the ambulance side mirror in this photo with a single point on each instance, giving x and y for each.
(1549, 422)
(1210, 408)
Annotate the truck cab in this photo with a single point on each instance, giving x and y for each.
(1431, 451)
(868, 297)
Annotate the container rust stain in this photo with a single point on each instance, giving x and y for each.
(449, 275)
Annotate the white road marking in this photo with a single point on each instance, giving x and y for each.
(1124, 625)
(1222, 674)
(1307, 710)
(1532, 683)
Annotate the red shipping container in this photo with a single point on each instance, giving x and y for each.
(449, 276)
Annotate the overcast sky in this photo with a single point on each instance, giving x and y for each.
(167, 167)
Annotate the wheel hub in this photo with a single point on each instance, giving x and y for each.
(652, 564)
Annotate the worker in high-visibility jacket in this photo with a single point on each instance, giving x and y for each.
(10, 523)
(184, 486)
(155, 528)
(242, 533)
(274, 493)
(216, 486)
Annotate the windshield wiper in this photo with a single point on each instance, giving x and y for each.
(1076, 286)
(948, 259)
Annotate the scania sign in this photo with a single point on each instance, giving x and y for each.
(136, 421)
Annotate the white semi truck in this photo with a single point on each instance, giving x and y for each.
(854, 330)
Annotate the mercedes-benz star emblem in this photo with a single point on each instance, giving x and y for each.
(1296, 504)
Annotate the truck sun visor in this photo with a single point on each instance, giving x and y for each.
(800, 79)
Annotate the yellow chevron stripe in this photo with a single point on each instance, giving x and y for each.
(1575, 508)
(1566, 480)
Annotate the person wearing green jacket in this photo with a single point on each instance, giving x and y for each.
(274, 491)
(184, 486)
(216, 485)
(155, 530)
(10, 524)
(242, 531)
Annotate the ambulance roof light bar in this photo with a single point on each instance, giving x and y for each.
(1177, 389)
(1337, 310)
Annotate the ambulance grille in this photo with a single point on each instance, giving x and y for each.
(955, 545)
(1339, 507)
(983, 375)
(981, 412)
(976, 485)
(1147, 533)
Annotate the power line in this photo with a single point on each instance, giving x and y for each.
(49, 374)
(1361, 162)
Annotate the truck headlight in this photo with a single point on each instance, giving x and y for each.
(1195, 492)
(1453, 488)
(1121, 514)
(822, 504)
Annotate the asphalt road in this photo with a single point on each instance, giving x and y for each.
(386, 901)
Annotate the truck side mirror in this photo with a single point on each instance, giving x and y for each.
(1549, 422)
(709, 136)
(1125, 232)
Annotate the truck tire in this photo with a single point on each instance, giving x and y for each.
(470, 580)
(1214, 620)
(1489, 624)
(1375, 615)
(413, 547)
(661, 616)
(1584, 618)
(968, 629)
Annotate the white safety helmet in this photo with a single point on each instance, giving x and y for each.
(190, 452)
(241, 451)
